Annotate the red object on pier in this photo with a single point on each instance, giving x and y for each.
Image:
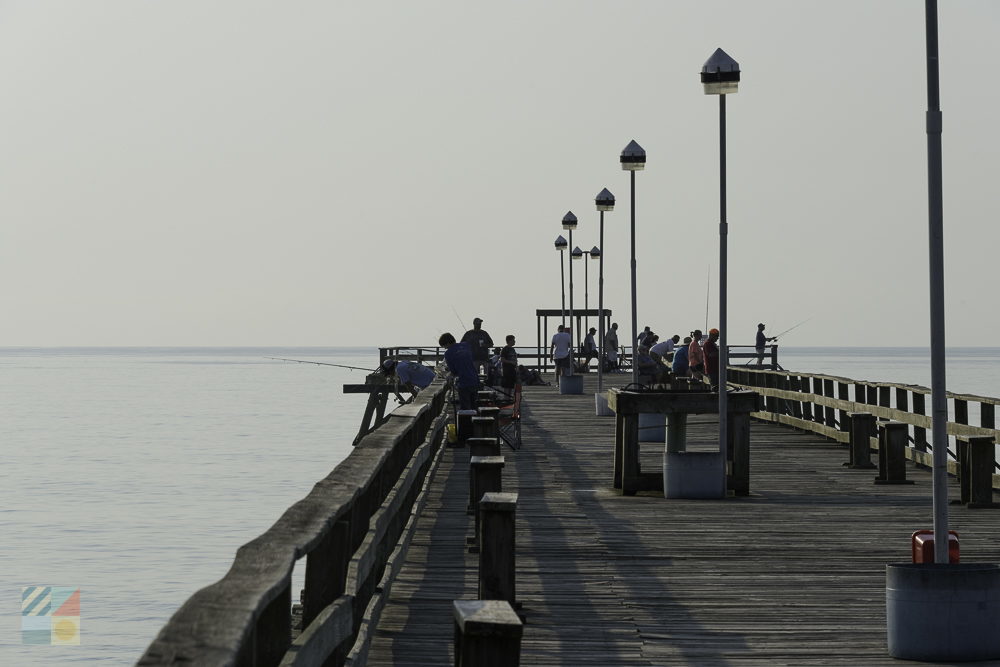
(922, 543)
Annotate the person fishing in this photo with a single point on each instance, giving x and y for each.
(761, 344)
(409, 376)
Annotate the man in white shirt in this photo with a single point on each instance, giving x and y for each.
(562, 343)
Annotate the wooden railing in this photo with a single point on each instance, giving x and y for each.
(821, 404)
(532, 357)
(353, 529)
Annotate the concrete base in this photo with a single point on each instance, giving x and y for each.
(943, 612)
(652, 428)
(601, 405)
(694, 475)
(571, 384)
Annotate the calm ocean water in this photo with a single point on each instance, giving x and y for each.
(135, 473)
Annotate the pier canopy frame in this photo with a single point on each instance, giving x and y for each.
(542, 316)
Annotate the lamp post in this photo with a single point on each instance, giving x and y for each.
(633, 159)
(569, 223)
(935, 226)
(720, 76)
(561, 246)
(605, 201)
(595, 253)
(577, 254)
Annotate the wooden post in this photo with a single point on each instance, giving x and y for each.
(884, 399)
(497, 547)
(630, 454)
(964, 476)
(619, 450)
(987, 415)
(273, 630)
(844, 394)
(738, 449)
(981, 472)
(483, 447)
(892, 454)
(326, 571)
(484, 427)
(676, 432)
(919, 433)
(828, 411)
(478, 447)
(807, 406)
(770, 401)
(487, 634)
(464, 418)
(861, 428)
(486, 478)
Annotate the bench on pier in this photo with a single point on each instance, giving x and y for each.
(628, 405)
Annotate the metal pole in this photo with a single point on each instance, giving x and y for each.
(635, 321)
(572, 343)
(562, 284)
(935, 225)
(600, 312)
(586, 294)
(723, 257)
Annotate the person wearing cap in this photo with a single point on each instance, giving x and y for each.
(481, 344)
(761, 344)
(711, 350)
(680, 366)
(458, 360)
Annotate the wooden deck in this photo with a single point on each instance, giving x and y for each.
(794, 574)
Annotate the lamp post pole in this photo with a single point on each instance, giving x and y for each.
(720, 76)
(633, 159)
(605, 201)
(595, 253)
(569, 222)
(935, 225)
(561, 246)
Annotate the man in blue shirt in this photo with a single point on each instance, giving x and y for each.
(458, 359)
(412, 376)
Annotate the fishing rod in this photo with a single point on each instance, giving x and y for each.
(459, 317)
(321, 363)
(789, 329)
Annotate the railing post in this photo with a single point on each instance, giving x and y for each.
(861, 428)
(774, 357)
(828, 411)
(981, 459)
(484, 427)
(326, 571)
(844, 394)
(738, 451)
(486, 478)
(272, 634)
(892, 454)
(919, 432)
(805, 386)
(497, 554)
(487, 634)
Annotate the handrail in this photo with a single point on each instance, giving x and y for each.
(347, 528)
(820, 403)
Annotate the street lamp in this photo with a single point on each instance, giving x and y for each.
(605, 201)
(633, 159)
(569, 223)
(561, 246)
(720, 76)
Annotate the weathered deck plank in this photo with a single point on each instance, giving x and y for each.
(792, 574)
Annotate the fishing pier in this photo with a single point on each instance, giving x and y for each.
(421, 551)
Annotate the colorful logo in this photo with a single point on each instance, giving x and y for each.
(50, 615)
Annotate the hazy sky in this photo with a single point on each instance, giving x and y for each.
(334, 173)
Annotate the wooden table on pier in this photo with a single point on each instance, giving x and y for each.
(628, 405)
